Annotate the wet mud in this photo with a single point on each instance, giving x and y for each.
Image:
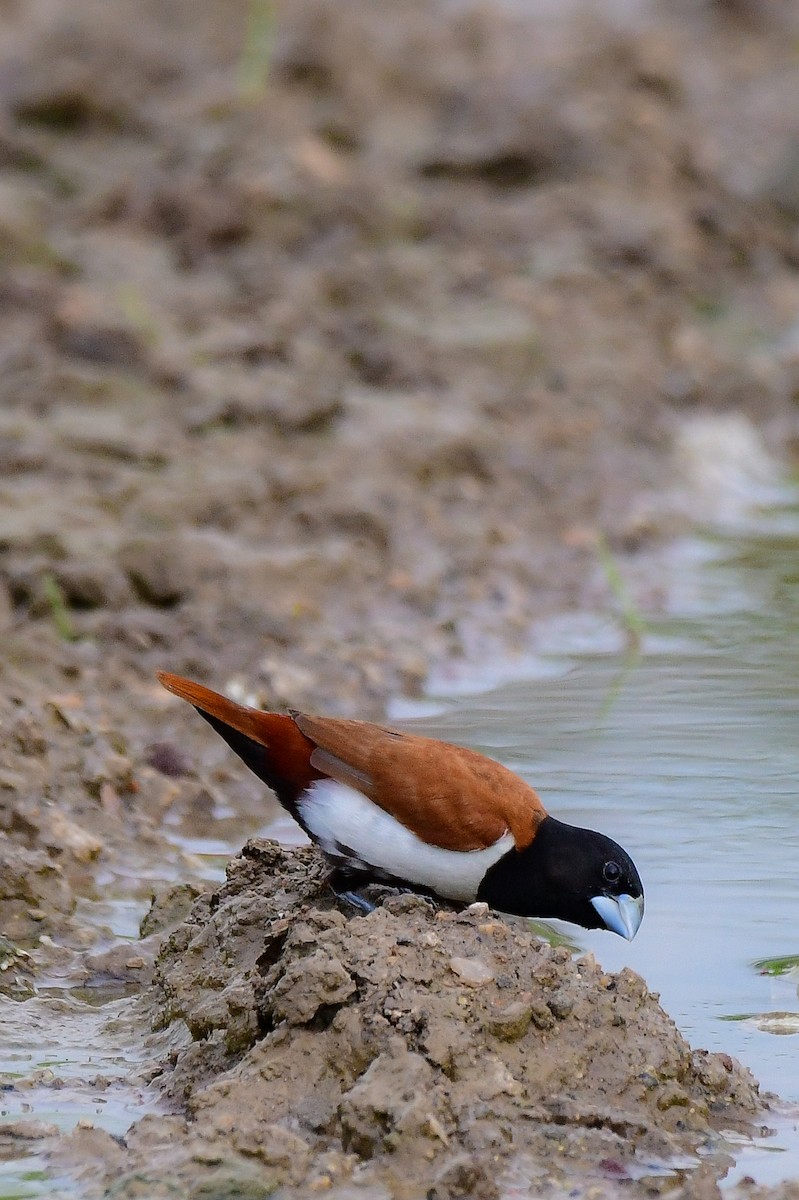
(416, 1051)
(336, 344)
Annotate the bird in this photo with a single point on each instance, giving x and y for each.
(386, 806)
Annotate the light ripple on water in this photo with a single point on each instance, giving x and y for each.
(688, 754)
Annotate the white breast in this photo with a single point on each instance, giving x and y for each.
(349, 827)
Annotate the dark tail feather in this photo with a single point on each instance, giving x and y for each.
(270, 744)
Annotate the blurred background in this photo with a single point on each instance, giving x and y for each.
(334, 336)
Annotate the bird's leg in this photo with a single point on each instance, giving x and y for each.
(346, 884)
(357, 901)
(343, 882)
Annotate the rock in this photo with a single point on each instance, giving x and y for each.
(314, 983)
(68, 835)
(561, 1004)
(21, 215)
(87, 1142)
(102, 765)
(168, 908)
(168, 759)
(119, 964)
(472, 971)
(32, 889)
(511, 1022)
(389, 1104)
(542, 1016)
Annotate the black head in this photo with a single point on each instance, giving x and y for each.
(571, 873)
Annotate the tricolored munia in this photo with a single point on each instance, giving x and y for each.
(402, 809)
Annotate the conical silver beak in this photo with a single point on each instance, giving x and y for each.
(621, 914)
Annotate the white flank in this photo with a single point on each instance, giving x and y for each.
(349, 827)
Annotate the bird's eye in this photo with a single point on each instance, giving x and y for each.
(611, 872)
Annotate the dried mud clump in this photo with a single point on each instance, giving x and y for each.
(32, 891)
(415, 1051)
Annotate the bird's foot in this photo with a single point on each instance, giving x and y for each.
(345, 885)
(348, 886)
(357, 901)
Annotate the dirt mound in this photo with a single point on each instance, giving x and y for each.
(333, 351)
(415, 1051)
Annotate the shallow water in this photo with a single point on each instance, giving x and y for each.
(65, 1058)
(686, 750)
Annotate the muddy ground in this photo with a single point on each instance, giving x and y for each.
(333, 340)
(409, 1053)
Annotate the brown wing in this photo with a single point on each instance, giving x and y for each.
(449, 796)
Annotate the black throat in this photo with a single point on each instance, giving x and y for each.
(553, 877)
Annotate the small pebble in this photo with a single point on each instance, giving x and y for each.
(168, 759)
(511, 1022)
(472, 971)
(542, 1017)
(561, 1003)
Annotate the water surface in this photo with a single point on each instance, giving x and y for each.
(686, 750)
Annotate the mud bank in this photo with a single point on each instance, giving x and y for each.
(413, 1052)
(327, 355)
(316, 381)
